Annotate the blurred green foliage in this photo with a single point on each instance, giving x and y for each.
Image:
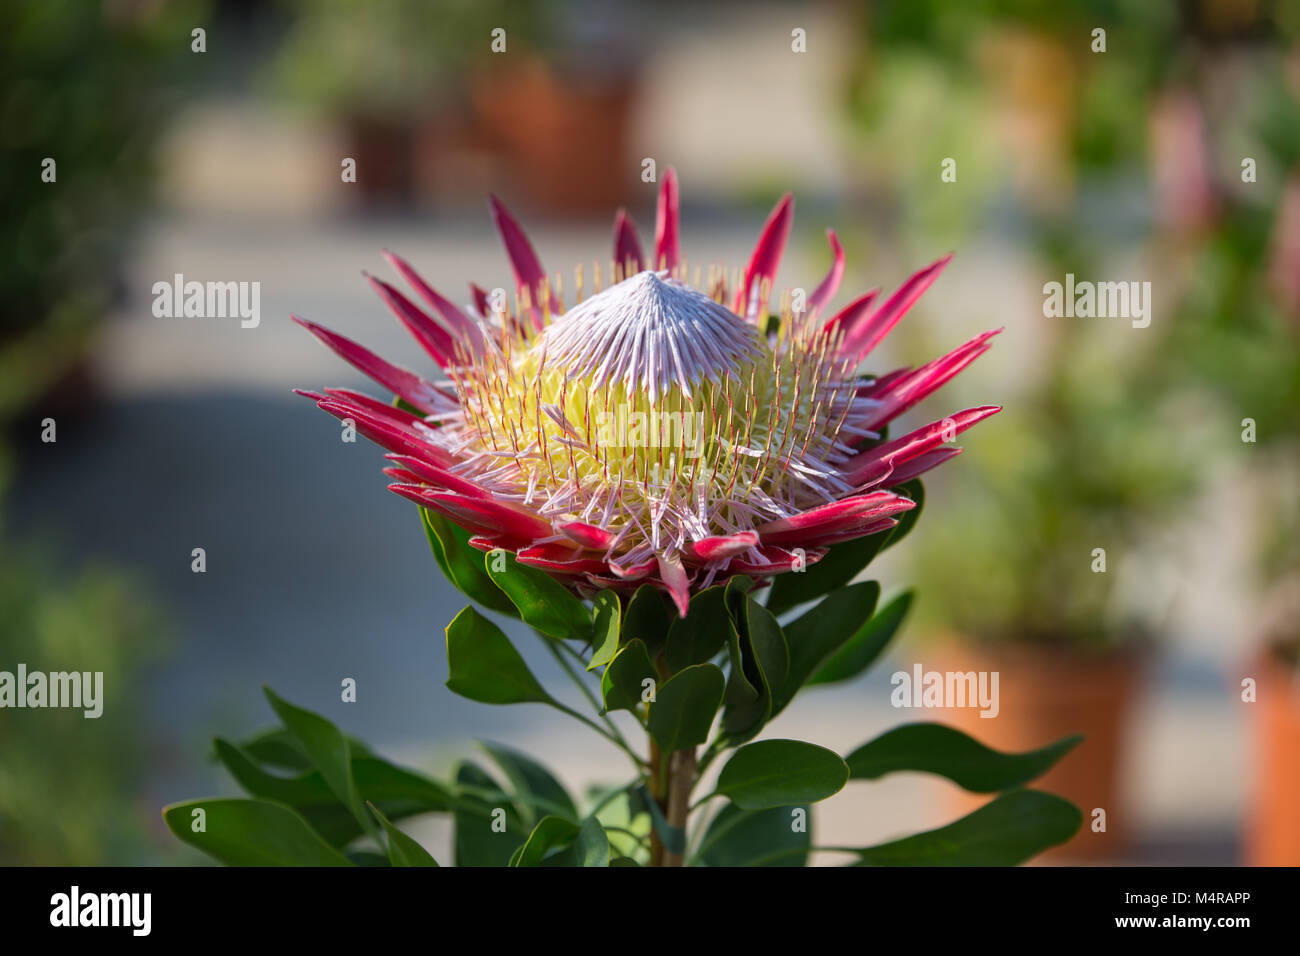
(69, 785)
(1058, 152)
(87, 85)
(386, 59)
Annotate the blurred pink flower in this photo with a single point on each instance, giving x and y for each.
(652, 433)
(1284, 271)
(1181, 166)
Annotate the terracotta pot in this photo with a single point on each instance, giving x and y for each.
(384, 151)
(1046, 693)
(1273, 829)
(564, 137)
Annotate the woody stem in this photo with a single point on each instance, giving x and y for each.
(681, 779)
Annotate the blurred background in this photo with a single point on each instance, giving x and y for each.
(1164, 149)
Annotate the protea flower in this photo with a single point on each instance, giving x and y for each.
(666, 429)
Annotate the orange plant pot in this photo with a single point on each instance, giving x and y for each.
(563, 139)
(1273, 828)
(1046, 694)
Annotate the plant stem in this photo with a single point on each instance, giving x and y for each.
(681, 779)
(656, 793)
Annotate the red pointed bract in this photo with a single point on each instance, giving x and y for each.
(668, 251)
(764, 262)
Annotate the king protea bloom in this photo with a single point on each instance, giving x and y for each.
(665, 429)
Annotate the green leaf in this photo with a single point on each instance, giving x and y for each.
(402, 850)
(543, 602)
(697, 637)
(907, 520)
(478, 839)
(623, 812)
(276, 747)
(606, 613)
(294, 791)
(622, 683)
(550, 833)
(398, 792)
(395, 789)
(821, 631)
(369, 858)
(242, 832)
(737, 837)
(685, 705)
(463, 565)
(841, 564)
(934, 748)
(535, 788)
(862, 649)
(589, 848)
(1010, 829)
(584, 845)
(781, 773)
(327, 749)
(760, 662)
(648, 619)
(483, 665)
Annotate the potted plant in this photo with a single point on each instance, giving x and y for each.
(1109, 439)
(1093, 478)
(428, 94)
(88, 92)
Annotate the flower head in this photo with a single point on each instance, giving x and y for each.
(666, 429)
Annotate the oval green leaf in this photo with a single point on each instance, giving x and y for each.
(648, 618)
(702, 633)
(584, 845)
(760, 661)
(484, 666)
(781, 773)
(934, 748)
(1008, 830)
(242, 832)
(623, 682)
(402, 850)
(606, 612)
(779, 836)
(536, 790)
(463, 565)
(821, 631)
(907, 520)
(327, 749)
(543, 602)
(865, 646)
(685, 705)
(478, 838)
